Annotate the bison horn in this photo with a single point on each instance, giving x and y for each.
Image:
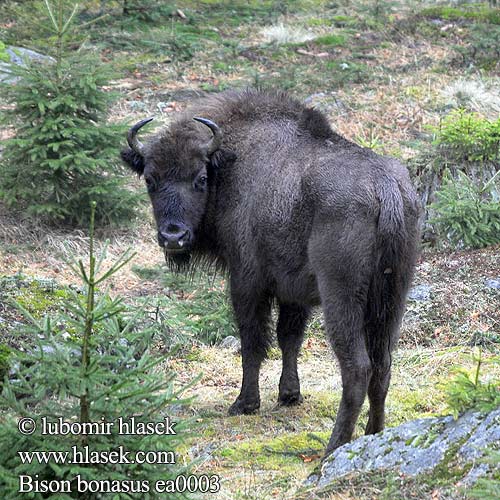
(132, 140)
(214, 144)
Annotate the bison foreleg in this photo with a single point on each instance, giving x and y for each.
(252, 315)
(291, 324)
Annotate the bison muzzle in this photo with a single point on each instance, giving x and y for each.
(299, 216)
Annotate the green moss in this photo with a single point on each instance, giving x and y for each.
(425, 440)
(476, 13)
(448, 471)
(282, 453)
(318, 21)
(409, 402)
(342, 21)
(331, 40)
(3, 52)
(324, 403)
(38, 298)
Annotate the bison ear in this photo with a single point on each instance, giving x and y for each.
(133, 159)
(221, 158)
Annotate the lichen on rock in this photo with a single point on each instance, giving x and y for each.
(419, 447)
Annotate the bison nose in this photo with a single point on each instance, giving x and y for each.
(174, 237)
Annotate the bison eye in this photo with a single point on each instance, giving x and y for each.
(150, 184)
(200, 183)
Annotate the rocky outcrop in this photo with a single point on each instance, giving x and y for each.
(421, 447)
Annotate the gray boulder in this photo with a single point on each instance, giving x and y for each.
(493, 283)
(231, 343)
(18, 55)
(420, 447)
(420, 293)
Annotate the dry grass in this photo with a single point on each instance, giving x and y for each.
(37, 250)
(474, 95)
(280, 33)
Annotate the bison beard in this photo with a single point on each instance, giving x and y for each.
(179, 261)
(298, 216)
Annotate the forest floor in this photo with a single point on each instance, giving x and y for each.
(270, 454)
(384, 76)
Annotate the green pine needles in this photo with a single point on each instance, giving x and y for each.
(468, 137)
(466, 214)
(465, 391)
(63, 154)
(90, 364)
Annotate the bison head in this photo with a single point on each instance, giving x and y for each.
(178, 166)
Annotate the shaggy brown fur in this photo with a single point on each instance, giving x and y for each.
(299, 216)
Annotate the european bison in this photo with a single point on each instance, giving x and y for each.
(299, 216)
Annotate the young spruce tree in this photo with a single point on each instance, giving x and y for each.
(63, 154)
(89, 364)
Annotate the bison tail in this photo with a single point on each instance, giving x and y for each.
(397, 237)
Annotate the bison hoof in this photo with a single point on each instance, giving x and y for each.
(292, 399)
(240, 407)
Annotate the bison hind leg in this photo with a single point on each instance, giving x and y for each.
(344, 322)
(343, 263)
(385, 308)
(290, 330)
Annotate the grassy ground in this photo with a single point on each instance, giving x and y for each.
(384, 72)
(270, 454)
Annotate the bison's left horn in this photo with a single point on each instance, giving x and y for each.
(214, 144)
(132, 140)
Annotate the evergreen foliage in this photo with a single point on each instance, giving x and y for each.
(98, 369)
(465, 214)
(464, 136)
(466, 391)
(4, 361)
(4, 57)
(63, 154)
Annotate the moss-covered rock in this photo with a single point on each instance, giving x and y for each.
(440, 450)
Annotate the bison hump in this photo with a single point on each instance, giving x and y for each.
(314, 122)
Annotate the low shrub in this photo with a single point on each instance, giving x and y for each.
(464, 136)
(467, 391)
(465, 214)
